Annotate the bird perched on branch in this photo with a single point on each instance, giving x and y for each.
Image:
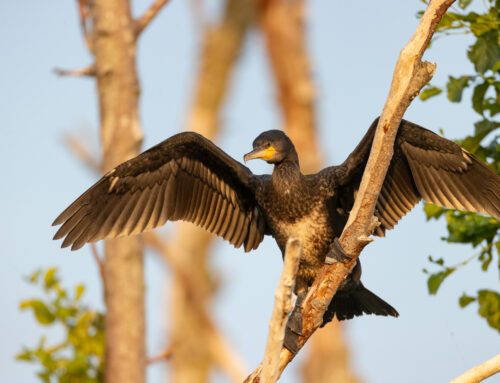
(187, 177)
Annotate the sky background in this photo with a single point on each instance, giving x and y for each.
(353, 47)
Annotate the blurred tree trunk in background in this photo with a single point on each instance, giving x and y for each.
(198, 346)
(282, 23)
(328, 357)
(114, 45)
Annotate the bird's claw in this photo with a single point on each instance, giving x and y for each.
(293, 330)
(336, 253)
(294, 325)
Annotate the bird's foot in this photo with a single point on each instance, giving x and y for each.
(294, 326)
(293, 331)
(336, 253)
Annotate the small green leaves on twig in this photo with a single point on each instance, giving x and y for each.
(79, 356)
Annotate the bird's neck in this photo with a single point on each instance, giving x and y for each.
(286, 175)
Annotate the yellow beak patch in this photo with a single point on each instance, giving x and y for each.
(263, 154)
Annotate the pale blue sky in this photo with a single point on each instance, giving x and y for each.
(354, 46)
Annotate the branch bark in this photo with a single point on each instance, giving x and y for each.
(410, 75)
(480, 372)
(114, 47)
(88, 71)
(282, 308)
(142, 22)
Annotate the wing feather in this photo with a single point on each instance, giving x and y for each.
(186, 178)
(424, 166)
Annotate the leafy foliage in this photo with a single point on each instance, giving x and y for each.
(468, 228)
(80, 356)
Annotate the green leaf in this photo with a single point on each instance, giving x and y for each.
(433, 211)
(489, 307)
(487, 258)
(465, 300)
(33, 278)
(436, 279)
(25, 355)
(478, 97)
(456, 86)
(79, 290)
(42, 313)
(470, 228)
(483, 24)
(485, 127)
(50, 279)
(485, 53)
(430, 91)
(464, 3)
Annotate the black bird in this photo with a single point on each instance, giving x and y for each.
(187, 177)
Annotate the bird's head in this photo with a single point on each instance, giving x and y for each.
(273, 147)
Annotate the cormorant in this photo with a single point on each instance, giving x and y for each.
(187, 177)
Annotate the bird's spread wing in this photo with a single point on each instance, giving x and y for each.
(424, 166)
(186, 177)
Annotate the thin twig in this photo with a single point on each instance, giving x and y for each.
(84, 11)
(89, 71)
(480, 372)
(142, 22)
(164, 355)
(282, 308)
(99, 261)
(82, 152)
(224, 357)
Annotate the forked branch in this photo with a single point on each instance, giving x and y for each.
(142, 22)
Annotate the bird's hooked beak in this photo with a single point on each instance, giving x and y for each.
(264, 153)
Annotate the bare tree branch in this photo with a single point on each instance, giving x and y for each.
(480, 372)
(410, 75)
(282, 308)
(218, 348)
(225, 357)
(201, 347)
(82, 152)
(164, 355)
(142, 22)
(88, 71)
(98, 259)
(85, 21)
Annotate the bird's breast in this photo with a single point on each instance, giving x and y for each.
(314, 233)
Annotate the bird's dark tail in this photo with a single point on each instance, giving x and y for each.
(346, 305)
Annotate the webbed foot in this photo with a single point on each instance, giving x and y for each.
(294, 326)
(336, 253)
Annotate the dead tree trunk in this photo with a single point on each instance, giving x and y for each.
(118, 88)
